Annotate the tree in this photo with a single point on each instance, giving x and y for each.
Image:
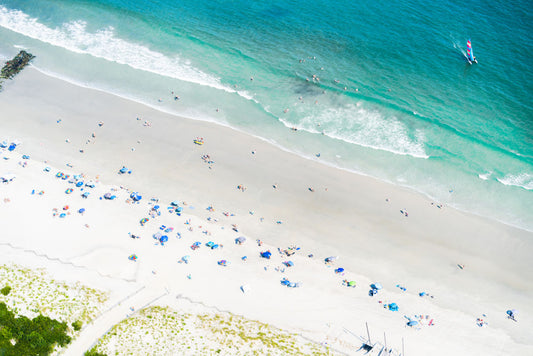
(37, 336)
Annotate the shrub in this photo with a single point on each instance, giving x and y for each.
(93, 352)
(5, 290)
(77, 325)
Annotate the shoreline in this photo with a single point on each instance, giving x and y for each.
(330, 164)
(351, 219)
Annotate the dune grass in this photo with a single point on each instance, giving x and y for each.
(160, 330)
(33, 292)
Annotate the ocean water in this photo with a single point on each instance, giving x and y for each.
(379, 89)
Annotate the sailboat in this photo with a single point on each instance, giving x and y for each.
(469, 53)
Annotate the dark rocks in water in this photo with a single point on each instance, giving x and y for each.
(14, 66)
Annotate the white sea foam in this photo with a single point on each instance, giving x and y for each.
(523, 180)
(484, 176)
(103, 43)
(368, 128)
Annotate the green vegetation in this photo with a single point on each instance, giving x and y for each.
(160, 330)
(93, 352)
(77, 325)
(14, 66)
(34, 292)
(23, 336)
(5, 290)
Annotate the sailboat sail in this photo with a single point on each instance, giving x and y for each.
(469, 52)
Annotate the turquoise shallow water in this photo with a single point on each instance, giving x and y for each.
(382, 90)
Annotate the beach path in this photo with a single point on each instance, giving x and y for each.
(124, 308)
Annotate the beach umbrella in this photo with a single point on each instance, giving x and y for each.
(107, 195)
(393, 307)
(175, 203)
(376, 286)
(186, 258)
(163, 238)
(81, 211)
(412, 323)
(330, 259)
(157, 235)
(245, 288)
(512, 313)
(351, 284)
(339, 270)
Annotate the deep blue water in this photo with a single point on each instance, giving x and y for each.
(378, 88)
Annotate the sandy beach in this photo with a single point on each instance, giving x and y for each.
(237, 185)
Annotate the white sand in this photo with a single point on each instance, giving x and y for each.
(351, 219)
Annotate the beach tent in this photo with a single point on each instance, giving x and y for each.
(81, 211)
(157, 235)
(266, 254)
(412, 323)
(339, 270)
(185, 258)
(222, 263)
(330, 259)
(240, 240)
(376, 286)
(393, 307)
(107, 195)
(175, 203)
(163, 239)
(288, 263)
(351, 284)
